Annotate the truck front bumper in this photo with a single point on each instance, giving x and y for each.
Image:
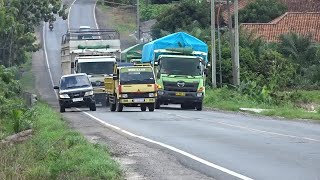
(138, 100)
(173, 97)
(86, 102)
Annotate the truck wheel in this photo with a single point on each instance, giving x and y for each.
(151, 107)
(119, 107)
(113, 107)
(93, 107)
(62, 109)
(199, 106)
(183, 106)
(143, 107)
(157, 105)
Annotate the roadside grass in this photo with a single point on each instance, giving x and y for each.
(231, 100)
(122, 20)
(55, 152)
(27, 79)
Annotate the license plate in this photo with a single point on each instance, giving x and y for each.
(77, 99)
(180, 94)
(138, 100)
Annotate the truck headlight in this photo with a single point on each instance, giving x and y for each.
(151, 94)
(199, 94)
(124, 95)
(64, 96)
(88, 93)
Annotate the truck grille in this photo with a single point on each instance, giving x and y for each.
(180, 86)
(76, 95)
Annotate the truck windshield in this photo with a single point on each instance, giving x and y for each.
(91, 68)
(180, 66)
(137, 76)
(71, 82)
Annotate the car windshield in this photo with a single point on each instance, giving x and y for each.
(179, 66)
(137, 76)
(95, 67)
(71, 82)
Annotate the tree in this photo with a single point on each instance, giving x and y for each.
(185, 16)
(18, 20)
(261, 11)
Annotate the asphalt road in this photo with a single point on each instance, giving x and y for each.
(218, 144)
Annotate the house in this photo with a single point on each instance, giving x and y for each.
(302, 23)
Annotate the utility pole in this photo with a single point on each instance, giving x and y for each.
(138, 21)
(231, 34)
(236, 67)
(213, 45)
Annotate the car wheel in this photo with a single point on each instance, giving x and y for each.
(93, 107)
(157, 105)
(62, 109)
(199, 106)
(151, 107)
(143, 107)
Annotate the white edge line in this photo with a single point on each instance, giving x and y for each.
(94, 14)
(69, 11)
(141, 137)
(46, 57)
(235, 174)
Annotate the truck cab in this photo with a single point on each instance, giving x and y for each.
(97, 68)
(181, 80)
(132, 86)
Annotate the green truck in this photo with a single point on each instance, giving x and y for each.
(180, 64)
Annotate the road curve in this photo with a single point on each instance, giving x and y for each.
(239, 146)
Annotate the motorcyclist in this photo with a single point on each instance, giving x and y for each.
(50, 25)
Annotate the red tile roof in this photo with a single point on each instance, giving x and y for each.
(302, 5)
(297, 22)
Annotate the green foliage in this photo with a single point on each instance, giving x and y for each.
(17, 22)
(153, 11)
(55, 152)
(261, 11)
(185, 16)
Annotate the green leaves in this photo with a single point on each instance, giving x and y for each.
(18, 20)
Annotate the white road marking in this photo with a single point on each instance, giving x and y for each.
(69, 13)
(94, 15)
(235, 174)
(46, 57)
(268, 132)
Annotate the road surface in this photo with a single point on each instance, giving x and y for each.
(220, 145)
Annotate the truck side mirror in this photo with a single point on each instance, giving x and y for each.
(72, 64)
(55, 87)
(115, 77)
(206, 72)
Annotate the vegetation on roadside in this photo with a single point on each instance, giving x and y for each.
(18, 20)
(55, 152)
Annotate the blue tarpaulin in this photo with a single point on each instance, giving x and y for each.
(176, 40)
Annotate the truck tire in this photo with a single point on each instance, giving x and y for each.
(143, 107)
(199, 106)
(93, 107)
(119, 106)
(113, 107)
(151, 107)
(62, 109)
(157, 106)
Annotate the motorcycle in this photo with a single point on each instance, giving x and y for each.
(51, 27)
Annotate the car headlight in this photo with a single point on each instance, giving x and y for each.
(124, 95)
(88, 93)
(151, 94)
(199, 94)
(64, 96)
(160, 93)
